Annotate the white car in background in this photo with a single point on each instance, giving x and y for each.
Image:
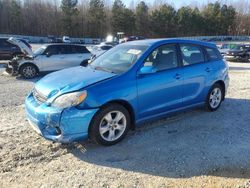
(99, 50)
(47, 58)
(66, 39)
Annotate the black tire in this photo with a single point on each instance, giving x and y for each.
(208, 105)
(30, 73)
(95, 125)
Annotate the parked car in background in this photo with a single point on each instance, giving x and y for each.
(238, 53)
(8, 50)
(130, 84)
(55, 40)
(224, 48)
(99, 50)
(132, 38)
(50, 57)
(66, 39)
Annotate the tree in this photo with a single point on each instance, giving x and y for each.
(189, 21)
(218, 18)
(97, 18)
(123, 19)
(69, 12)
(163, 22)
(142, 20)
(117, 16)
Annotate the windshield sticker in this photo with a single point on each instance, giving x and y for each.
(134, 51)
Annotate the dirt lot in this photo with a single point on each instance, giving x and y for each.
(192, 149)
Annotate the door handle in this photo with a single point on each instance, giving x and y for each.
(208, 69)
(177, 76)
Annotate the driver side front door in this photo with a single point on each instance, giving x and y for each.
(160, 92)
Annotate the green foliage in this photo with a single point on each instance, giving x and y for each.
(123, 19)
(97, 18)
(142, 19)
(189, 21)
(218, 18)
(69, 10)
(163, 22)
(15, 15)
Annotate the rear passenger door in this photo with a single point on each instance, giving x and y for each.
(76, 55)
(196, 71)
(52, 59)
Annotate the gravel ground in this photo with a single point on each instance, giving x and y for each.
(192, 149)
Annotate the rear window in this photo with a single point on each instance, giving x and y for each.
(212, 54)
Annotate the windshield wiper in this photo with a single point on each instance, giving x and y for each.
(101, 68)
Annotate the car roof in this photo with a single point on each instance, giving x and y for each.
(150, 42)
(4, 37)
(64, 44)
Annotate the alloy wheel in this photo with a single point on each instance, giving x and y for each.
(112, 126)
(29, 71)
(215, 97)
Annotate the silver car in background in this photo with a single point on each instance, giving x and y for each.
(50, 57)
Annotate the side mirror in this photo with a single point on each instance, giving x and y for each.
(147, 70)
(48, 54)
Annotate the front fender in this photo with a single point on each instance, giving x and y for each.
(120, 88)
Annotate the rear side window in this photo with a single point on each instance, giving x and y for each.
(212, 54)
(191, 54)
(82, 49)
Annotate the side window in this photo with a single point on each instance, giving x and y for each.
(52, 50)
(162, 58)
(82, 49)
(212, 54)
(191, 54)
(70, 49)
(62, 49)
(5, 43)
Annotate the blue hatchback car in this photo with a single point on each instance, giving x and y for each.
(126, 86)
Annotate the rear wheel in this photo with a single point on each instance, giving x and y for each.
(215, 97)
(28, 71)
(110, 125)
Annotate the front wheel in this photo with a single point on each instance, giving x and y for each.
(28, 71)
(110, 125)
(214, 98)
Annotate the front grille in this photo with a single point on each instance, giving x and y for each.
(39, 97)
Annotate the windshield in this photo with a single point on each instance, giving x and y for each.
(238, 47)
(119, 59)
(39, 51)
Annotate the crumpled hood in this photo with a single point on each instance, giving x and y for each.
(68, 80)
(25, 49)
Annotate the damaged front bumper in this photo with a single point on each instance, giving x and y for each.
(12, 67)
(59, 125)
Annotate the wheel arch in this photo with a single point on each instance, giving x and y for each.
(28, 63)
(125, 104)
(222, 84)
